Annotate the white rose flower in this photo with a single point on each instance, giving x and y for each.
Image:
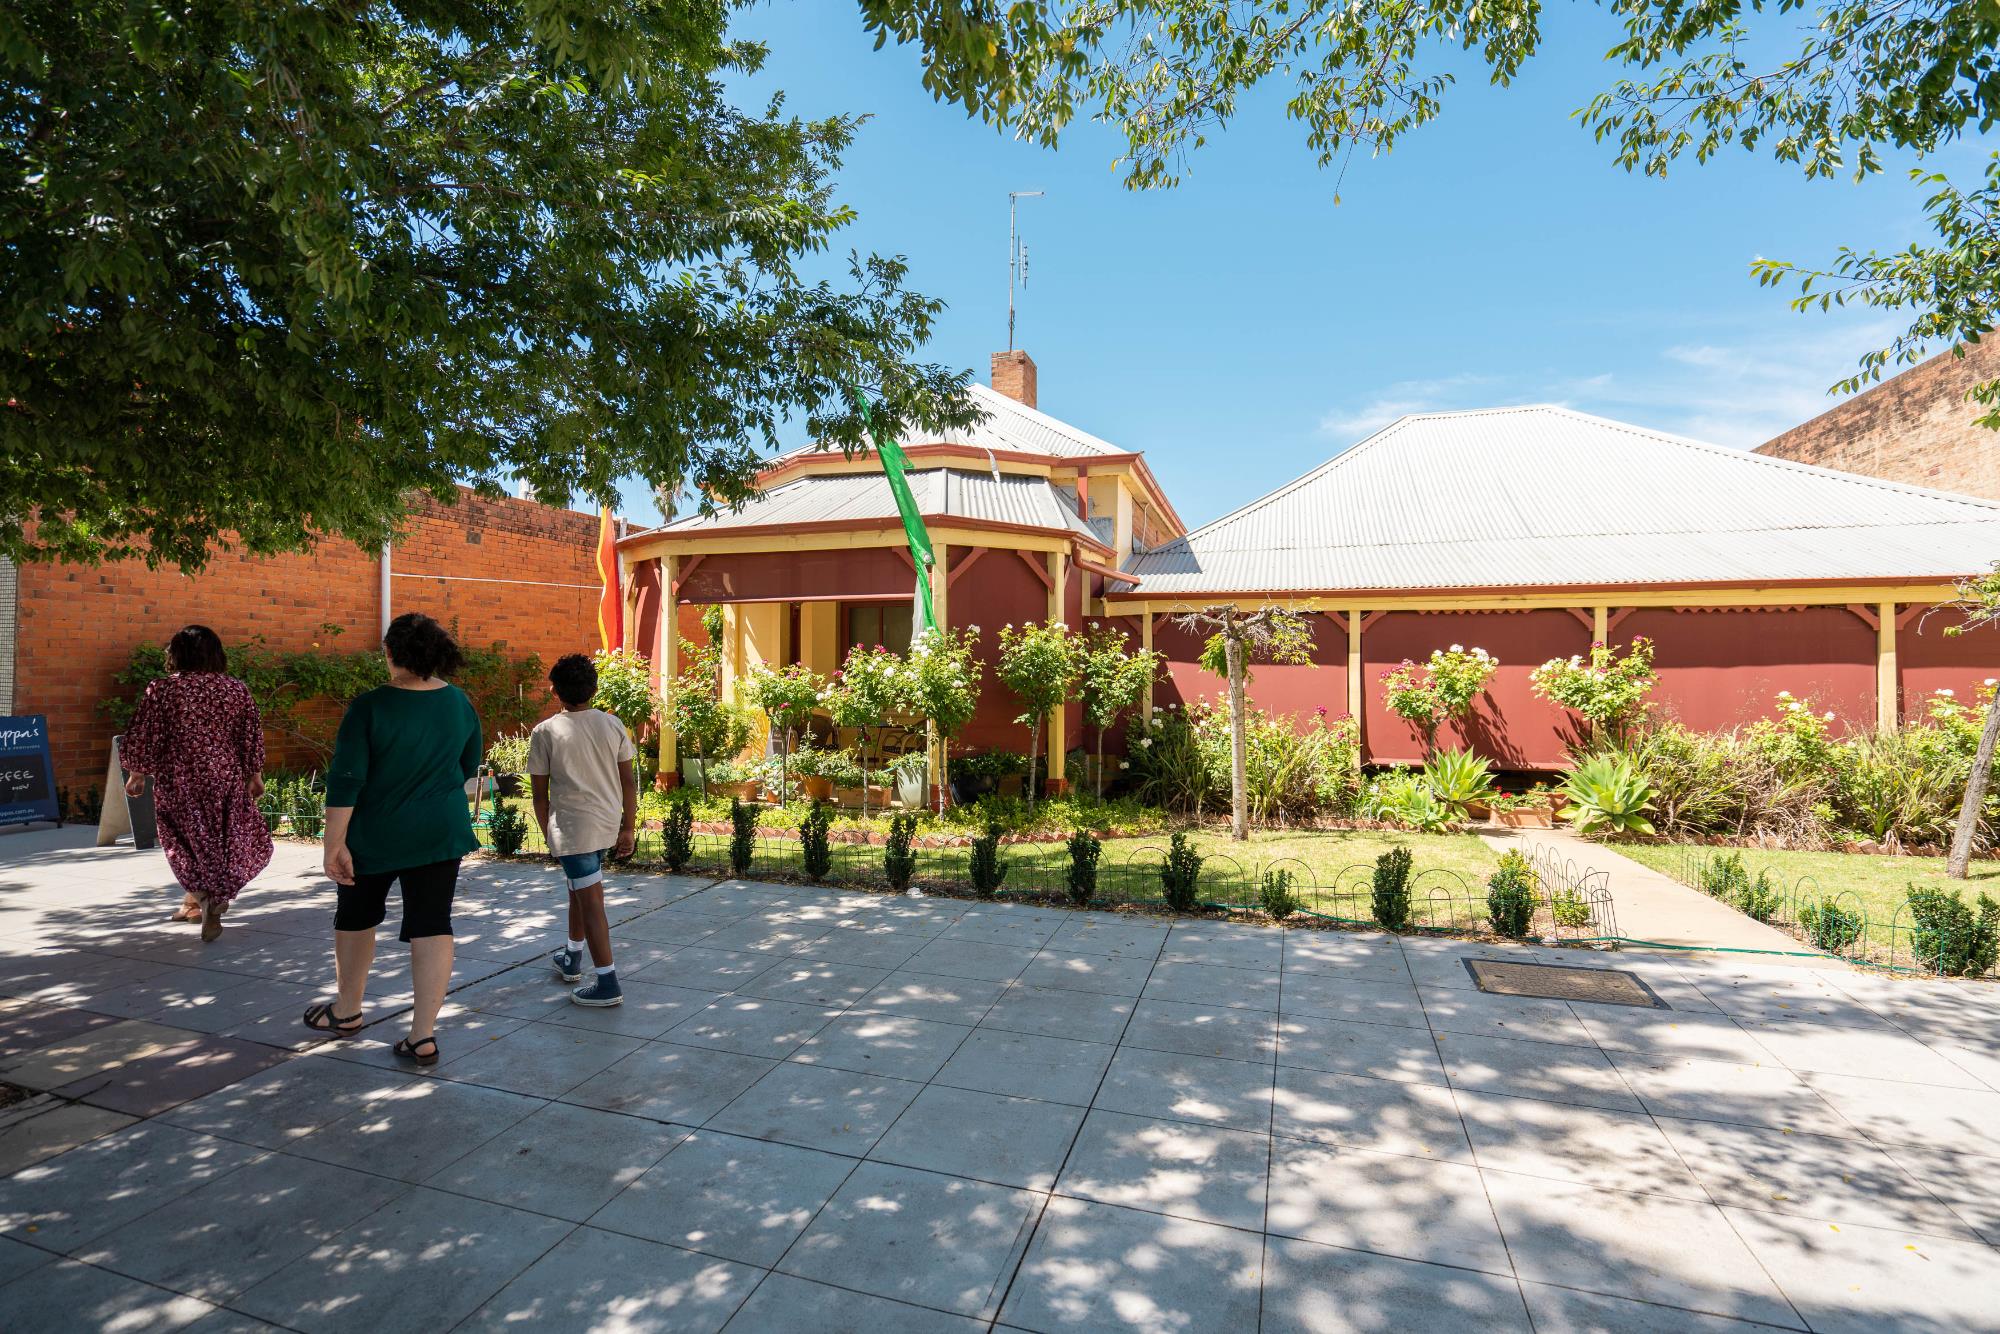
(1828, 715)
(1124, 764)
(1992, 680)
(1948, 694)
(1458, 648)
(1145, 741)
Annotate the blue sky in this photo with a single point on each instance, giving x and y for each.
(1242, 328)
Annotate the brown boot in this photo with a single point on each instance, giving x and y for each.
(211, 918)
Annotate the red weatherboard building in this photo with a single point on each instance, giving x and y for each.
(1528, 532)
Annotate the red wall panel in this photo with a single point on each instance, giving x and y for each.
(1510, 724)
(998, 590)
(1930, 660)
(1723, 669)
(788, 575)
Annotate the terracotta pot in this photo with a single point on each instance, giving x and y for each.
(878, 797)
(749, 791)
(817, 789)
(1010, 785)
(1527, 817)
(1478, 810)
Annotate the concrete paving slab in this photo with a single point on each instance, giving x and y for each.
(63, 1202)
(592, 1279)
(783, 1304)
(68, 1295)
(1204, 1030)
(1234, 1094)
(1316, 1289)
(1583, 1076)
(1565, 1311)
(724, 1195)
(666, 1082)
(884, 1044)
(1391, 1204)
(1057, 1013)
(540, 1060)
(1170, 1167)
(1588, 1145)
(752, 1026)
(950, 1000)
(1225, 944)
(560, 1160)
(223, 1238)
(1351, 999)
(417, 1129)
(1765, 1095)
(1389, 1115)
(1380, 1051)
(1634, 1246)
(1857, 1279)
(1079, 970)
(937, 1241)
(1099, 1267)
(969, 959)
(43, 1126)
(422, 1262)
(817, 1107)
(985, 1136)
(1213, 984)
(1027, 1066)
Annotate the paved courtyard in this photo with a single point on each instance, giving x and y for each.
(822, 1110)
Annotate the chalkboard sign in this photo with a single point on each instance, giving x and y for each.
(27, 783)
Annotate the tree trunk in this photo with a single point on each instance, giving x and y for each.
(1100, 761)
(1960, 860)
(861, 752)
(1239, 777)
(1034, 753)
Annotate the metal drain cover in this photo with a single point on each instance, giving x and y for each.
(1548, 981)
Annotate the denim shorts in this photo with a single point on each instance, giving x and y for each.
(584, 869)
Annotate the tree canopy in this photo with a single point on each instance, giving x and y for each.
(1694, 77)
(272, 268)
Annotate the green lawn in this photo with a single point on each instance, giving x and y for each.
(1878, 882)
(1330, 868)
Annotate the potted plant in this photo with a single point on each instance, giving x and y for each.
(507, 757)
(1520, 810)
(911, 772)
(809, 765)
(731, 779)
(843, 772)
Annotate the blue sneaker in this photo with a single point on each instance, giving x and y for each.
(603, 990)
(568, 964)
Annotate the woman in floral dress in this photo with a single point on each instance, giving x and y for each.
(199, 736)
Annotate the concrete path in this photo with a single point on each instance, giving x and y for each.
(1655, 907)
(826, 1110)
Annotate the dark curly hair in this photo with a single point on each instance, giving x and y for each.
(196, 648)
(575, 678)
(422, 647)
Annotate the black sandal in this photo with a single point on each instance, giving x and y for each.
(320, 1018)
(408, 1050)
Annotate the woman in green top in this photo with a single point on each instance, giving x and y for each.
(396, 812)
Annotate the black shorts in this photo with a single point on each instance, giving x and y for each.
(427, 893)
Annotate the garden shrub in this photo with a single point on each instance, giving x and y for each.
(1570, 909)
(677, 833)
(1390, 897)
(1949, 937)
(742, 835)
(1510, 896)
(1083, 853)
(989, 870)
(1830, 927)
(1293, 768)
(1459, 779)
(508, 754)
(1429, 694)
(1608, 691)
(1758, 897)
(1276, 895)
(1402, 797)
(1180, 875)
(1723, 877)
(815, 848)
(899, 863)
(1608, 792)
(298, 798)
(507, 827)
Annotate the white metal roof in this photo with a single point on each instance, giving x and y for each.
(1009, 428)
(1545, 496)
(939, 492)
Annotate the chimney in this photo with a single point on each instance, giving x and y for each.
(1014, 376)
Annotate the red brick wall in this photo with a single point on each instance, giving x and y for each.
(1916, 427)
(519, 573)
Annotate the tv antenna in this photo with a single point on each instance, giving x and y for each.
(1017, 254)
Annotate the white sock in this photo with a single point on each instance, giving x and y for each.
(608, 968)
(576, 947)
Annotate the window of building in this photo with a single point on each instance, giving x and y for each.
(872, 623)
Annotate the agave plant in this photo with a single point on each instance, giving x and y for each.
(1458, 778)
(1403, 797)
(1608, 792)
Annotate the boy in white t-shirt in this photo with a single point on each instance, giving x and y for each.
(587, 803)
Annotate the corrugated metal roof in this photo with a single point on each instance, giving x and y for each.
(1539, 496)
(1009, 428)
(939, 492)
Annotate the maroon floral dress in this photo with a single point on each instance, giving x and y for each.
(200, 737)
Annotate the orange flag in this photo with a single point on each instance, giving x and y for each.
(610, 602)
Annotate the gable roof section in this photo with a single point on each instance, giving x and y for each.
(1545, 497)
(940, 493)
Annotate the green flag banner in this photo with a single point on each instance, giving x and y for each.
(895, 464)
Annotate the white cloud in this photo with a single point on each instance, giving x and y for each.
(1404, 397)
(1738, 386)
